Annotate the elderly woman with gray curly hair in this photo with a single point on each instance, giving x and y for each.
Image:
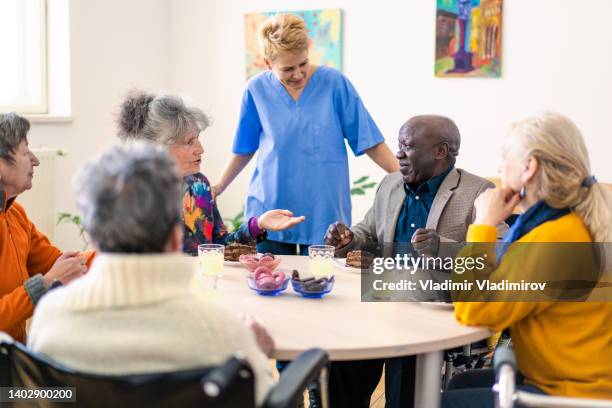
(167, 120)
(29, 264)
(136, 310)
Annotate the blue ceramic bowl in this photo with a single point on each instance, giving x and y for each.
(313, 293)
(267, 292)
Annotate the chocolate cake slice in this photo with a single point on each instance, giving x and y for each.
(359, 259)
(234, 250)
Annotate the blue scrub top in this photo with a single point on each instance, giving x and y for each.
(302, 164)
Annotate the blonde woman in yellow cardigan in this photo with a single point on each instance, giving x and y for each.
(563, 348)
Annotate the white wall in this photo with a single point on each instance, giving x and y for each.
(556, 56)
(115, 45)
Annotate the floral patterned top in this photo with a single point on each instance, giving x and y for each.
(203, 223)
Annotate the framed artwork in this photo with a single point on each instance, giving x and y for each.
(324, 29)
(468, 38)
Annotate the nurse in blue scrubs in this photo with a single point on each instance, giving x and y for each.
(298, 117)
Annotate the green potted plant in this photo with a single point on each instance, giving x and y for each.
(68, 218)
(361, 185)
(235, 222)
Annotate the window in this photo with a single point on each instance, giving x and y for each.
(23, 70)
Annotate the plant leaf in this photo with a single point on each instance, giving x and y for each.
(63, 217)
(235, 222)
(361, 179)
(68, 218)
(357, 191)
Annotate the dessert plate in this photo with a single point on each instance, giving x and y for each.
(237, 263)
(340, 263)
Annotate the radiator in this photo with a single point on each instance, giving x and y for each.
(39, 202)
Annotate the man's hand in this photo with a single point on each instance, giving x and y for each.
(278, 220)
(426, 241)
(66, 268)
(338, 235)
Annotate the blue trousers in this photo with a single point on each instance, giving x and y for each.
(281, 248)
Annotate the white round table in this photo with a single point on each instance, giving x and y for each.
(349, 329)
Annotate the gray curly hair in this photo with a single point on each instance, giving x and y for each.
(129, 198)
(163, 119)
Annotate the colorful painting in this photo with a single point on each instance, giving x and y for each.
(324, 29)
(469, 38)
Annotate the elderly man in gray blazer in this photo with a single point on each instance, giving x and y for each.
(428, 148)
(427, 203)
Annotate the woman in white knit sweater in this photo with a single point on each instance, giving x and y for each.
(135, 311)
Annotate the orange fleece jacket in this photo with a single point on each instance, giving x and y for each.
(24, 252)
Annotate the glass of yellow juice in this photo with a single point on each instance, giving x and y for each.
(321, 260)
(211, 261)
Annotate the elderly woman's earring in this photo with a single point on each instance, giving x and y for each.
(522, 192)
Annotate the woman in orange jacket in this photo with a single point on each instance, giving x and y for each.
(561, 335)
(29, 264)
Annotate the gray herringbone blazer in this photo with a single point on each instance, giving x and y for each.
(451, 213)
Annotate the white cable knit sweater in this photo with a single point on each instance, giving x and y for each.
(139, 314)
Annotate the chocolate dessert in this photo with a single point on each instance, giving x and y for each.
(234, 250)
(359, 259)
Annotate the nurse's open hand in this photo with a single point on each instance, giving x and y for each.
(278, 220)
(338, 235)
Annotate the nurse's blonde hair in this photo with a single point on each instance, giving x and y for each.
(283, 32)
(564, 170)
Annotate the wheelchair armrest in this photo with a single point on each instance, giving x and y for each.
(529, 399)
(503, 356)
(296, 377)
(504, 363)
(220, 379)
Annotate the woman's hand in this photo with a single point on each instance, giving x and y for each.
(278, 220)
(66, 268)
(216, 191)
(264, 340)
(495, 205)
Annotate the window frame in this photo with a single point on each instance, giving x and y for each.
(43, 107)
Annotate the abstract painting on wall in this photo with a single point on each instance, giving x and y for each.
(324, 29)
(469, 38)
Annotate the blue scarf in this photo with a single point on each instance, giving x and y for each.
(536, 215)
